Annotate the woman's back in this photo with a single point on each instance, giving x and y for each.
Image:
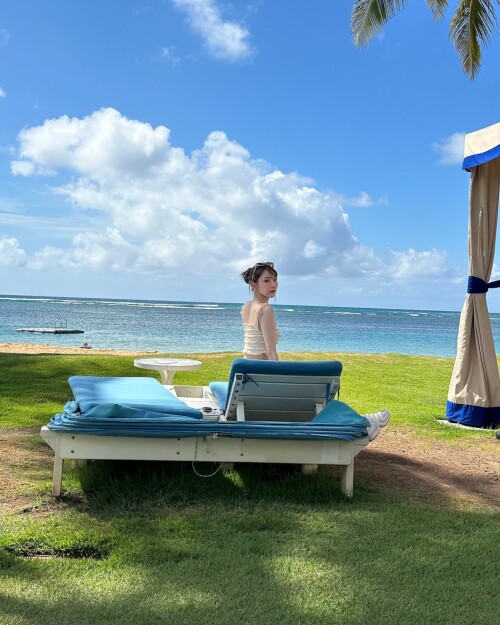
(254, 344)
(259, 325)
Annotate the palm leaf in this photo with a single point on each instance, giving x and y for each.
(471, 29)
(370, 16)
(438, 8)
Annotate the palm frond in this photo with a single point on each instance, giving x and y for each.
(471, 29)
(370, 16)
(438, 8)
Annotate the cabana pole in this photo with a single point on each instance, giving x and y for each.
(474, 392)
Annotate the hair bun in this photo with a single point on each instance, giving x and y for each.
(247, 275)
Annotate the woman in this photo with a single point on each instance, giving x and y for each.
(259, 325)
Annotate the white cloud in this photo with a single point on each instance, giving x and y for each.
(10, 252)
(94, 251)
(412, 264)
(157, 210)
(2, 93)
(214, 208)
(22, 168)
(361, 201)
(313, 250)
(451, 149)
(224, 39)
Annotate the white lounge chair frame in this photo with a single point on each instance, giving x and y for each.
(279, 397)
(203, 449)
(261, 396)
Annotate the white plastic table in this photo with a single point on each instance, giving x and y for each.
(167, 367)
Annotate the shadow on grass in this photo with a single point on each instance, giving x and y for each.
(259, 544)
(139, 485)
(258, 566)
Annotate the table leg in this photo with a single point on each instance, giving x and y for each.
(167, 376)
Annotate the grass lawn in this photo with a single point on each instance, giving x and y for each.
(148, 543)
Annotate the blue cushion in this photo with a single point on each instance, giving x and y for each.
(287, 367)
(95, 393)
(336, 412)
(220, 390)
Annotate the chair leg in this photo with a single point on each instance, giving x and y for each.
(348, 479)
(57, 476)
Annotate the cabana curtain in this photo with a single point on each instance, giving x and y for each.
(474, 392)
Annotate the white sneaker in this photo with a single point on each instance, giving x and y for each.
(373, 429)
(377, 421)
(382, 416)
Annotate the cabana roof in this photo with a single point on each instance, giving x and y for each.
(481, 146)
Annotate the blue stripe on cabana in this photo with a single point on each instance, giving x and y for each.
(473, 416)
(478, 159)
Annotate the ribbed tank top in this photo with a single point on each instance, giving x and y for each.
(254, 341)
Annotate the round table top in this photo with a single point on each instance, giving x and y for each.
(167, 363)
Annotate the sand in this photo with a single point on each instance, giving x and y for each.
(33, 348)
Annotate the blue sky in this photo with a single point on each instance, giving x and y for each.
(155, 150)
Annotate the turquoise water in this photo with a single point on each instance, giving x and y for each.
(188, 327)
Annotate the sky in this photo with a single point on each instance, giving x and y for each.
(155, 150)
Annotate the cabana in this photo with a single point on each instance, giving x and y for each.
(474, 392)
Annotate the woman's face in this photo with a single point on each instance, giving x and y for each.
(266, 284)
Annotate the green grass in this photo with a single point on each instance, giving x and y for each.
(414, 388)
(148, 543)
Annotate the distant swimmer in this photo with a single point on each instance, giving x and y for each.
(85, 345)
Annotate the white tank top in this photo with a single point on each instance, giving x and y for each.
(254, 341)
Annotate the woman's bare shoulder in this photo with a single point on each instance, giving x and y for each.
(266, 312)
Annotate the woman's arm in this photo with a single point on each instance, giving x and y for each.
(268, 327)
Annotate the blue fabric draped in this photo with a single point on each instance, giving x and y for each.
(107, 413)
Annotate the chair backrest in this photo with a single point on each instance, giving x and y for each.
(269, 390)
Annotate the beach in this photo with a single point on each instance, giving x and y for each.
(33, 348)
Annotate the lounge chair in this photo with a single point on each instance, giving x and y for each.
(273, 412)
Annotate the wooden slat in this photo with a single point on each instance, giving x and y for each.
(296, 379)
(279, 415)
(279, 403)
(281, 389)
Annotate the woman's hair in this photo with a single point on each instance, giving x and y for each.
(252, 274)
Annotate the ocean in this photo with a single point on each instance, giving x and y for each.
(194, 327)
